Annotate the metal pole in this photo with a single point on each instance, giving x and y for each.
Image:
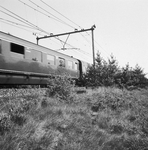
(53, 35)
(37, 40)
(93, 50)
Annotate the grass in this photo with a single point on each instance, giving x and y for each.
(99, 119)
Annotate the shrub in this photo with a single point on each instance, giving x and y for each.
(60, 87)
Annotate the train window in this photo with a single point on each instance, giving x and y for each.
(76, 66)
(70, 64)
(51, 59)
(33, 55)
(36, 55)
(17, 48)
(61, 62)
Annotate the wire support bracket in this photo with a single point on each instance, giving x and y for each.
(73, 32)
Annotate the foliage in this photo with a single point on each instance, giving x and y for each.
(108, 73)
(60, 87)
(129, 77)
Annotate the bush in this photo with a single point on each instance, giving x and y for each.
(60, 87)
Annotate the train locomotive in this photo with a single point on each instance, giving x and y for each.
(25, 63)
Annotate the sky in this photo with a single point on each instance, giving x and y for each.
(121, 27)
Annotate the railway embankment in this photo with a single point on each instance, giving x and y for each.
(61, 118)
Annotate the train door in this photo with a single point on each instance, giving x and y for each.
(80, 68)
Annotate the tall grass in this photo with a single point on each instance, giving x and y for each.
(101, 119)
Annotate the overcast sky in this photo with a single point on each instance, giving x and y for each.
(121, 26)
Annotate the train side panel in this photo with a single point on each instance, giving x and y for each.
(22, 62)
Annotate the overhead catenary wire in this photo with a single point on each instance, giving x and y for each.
(16, 23)
(17, 26)
(66, 18)
(69, 20)
(34, 9)
(38, 28)
(22, 20)
(14, 17)
(64, 42)
(38, 11)
(78, 49)
(23, 27)
(61, 14)
(51, 14)
(82, 52)
(43, 13)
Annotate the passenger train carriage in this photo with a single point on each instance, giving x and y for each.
(23, 62)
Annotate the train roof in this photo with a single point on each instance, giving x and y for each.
(25, 43)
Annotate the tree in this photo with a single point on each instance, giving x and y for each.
(108, 73)
(103, 72)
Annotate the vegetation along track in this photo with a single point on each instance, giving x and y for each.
(98, 119)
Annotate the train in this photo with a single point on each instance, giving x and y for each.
(25, 63)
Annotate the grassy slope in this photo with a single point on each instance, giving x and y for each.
(102, 119)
